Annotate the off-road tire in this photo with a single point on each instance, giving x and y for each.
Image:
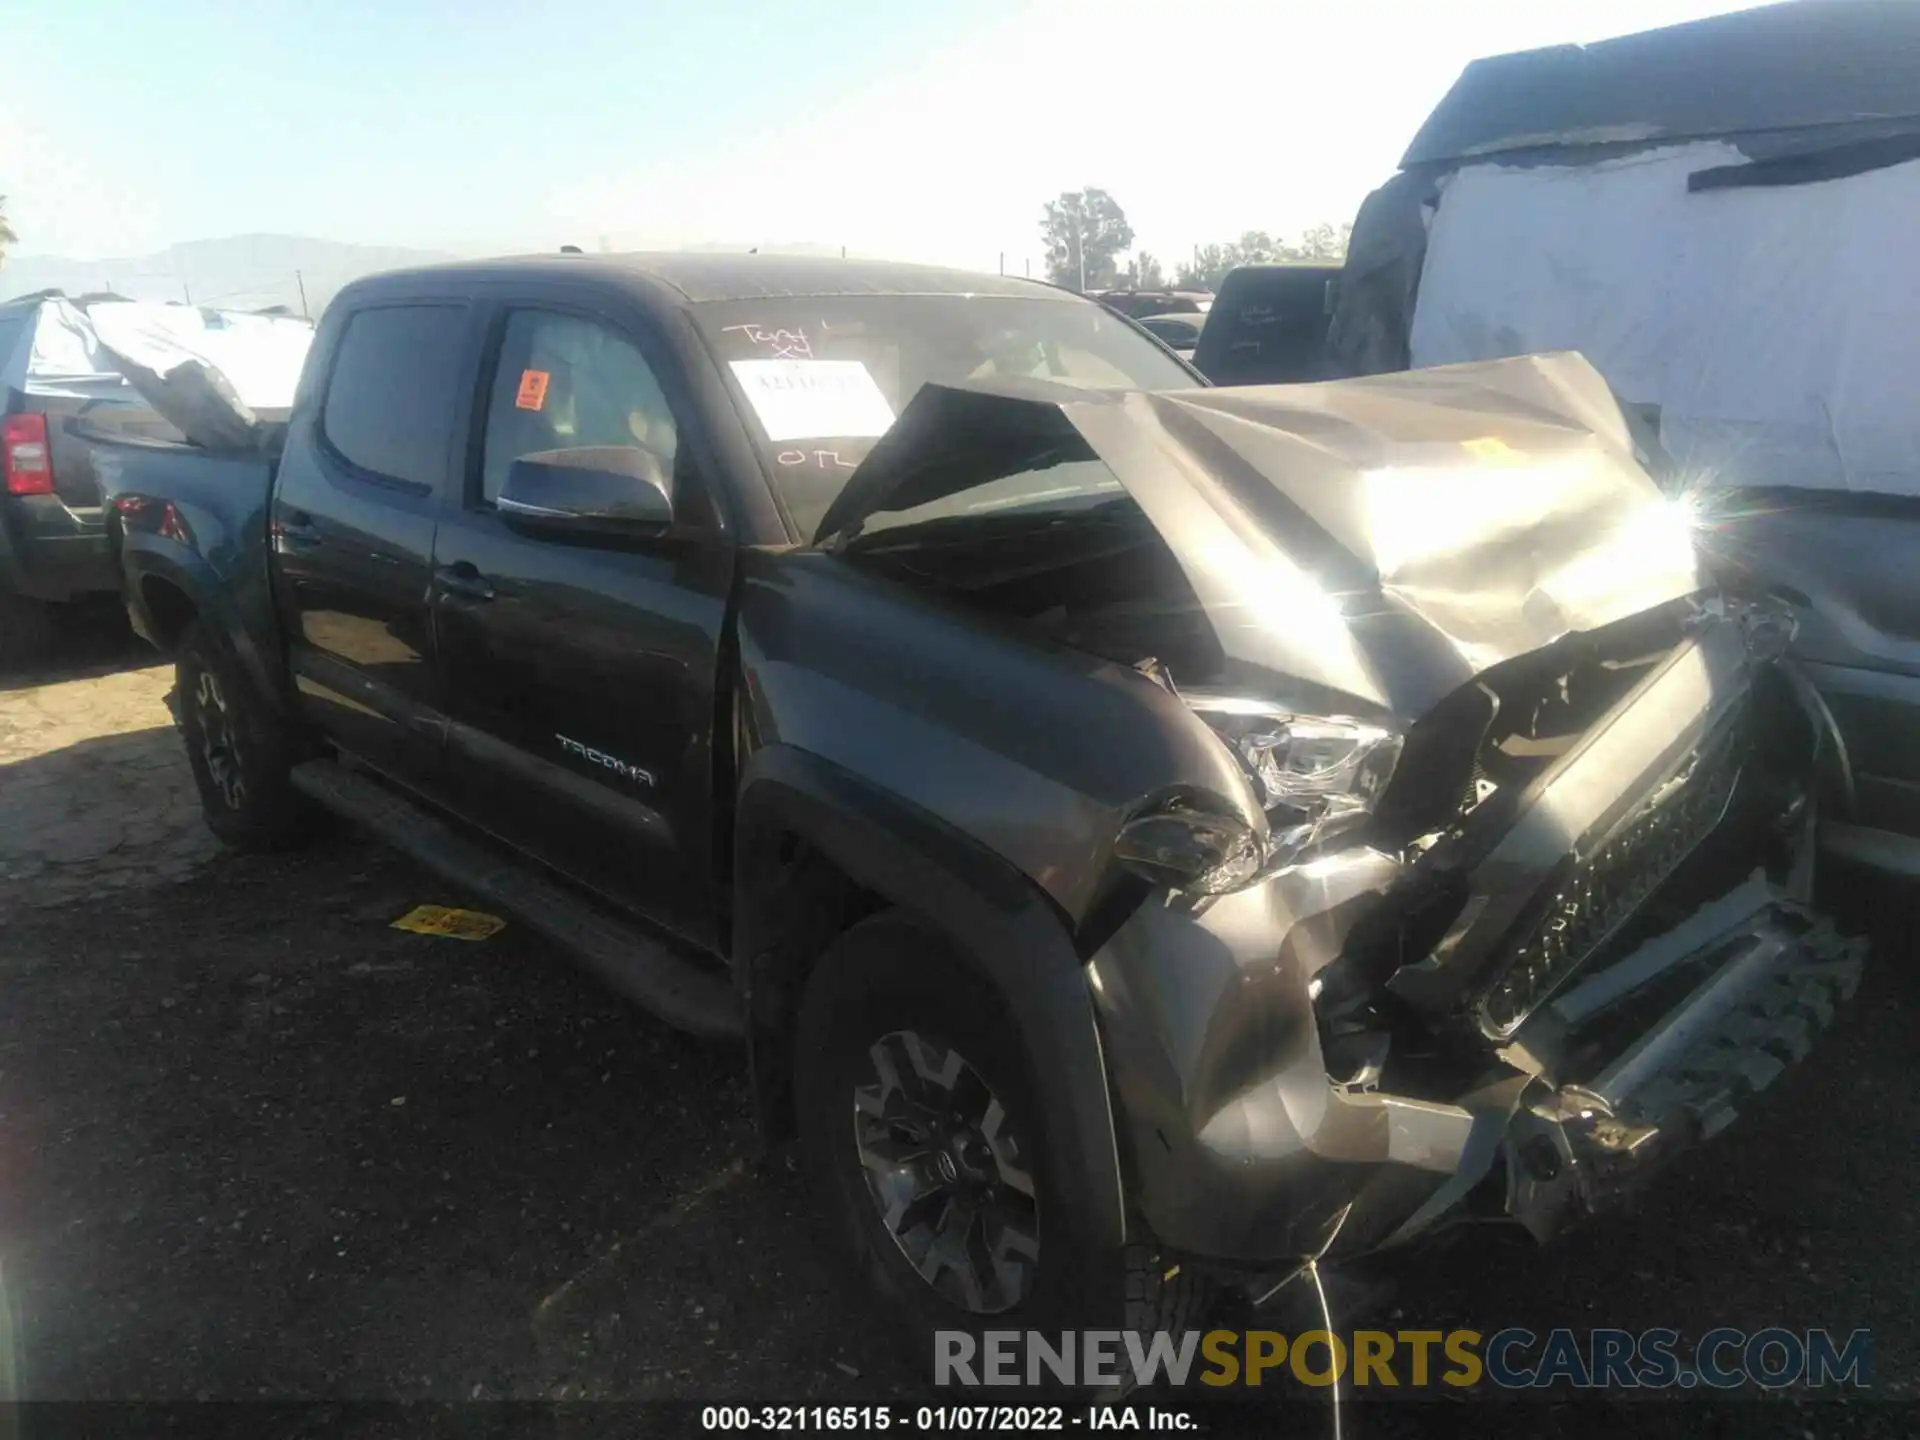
(240, 751)
(890, 973)
(27, 631)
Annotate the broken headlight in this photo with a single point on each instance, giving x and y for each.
(1192, 850)
(1318, 777)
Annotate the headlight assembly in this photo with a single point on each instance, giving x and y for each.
(1308, 764)
(1193, 850)
(1317, 777)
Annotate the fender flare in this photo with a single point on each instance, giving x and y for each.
(997, 919)
(145, 556)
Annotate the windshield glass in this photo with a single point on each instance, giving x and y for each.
(819, 379)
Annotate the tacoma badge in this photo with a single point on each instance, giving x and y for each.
(600, 757)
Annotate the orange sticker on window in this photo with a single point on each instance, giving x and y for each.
(533, 389)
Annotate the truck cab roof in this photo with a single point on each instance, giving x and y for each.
(697, 277)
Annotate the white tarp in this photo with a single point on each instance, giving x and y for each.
(260, 355)
(59, 354)
(66, 352)
(1777, 327)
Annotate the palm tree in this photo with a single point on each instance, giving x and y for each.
(7, 237)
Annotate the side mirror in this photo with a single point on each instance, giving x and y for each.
(594, 490)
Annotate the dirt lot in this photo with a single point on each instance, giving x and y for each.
(254, 1142)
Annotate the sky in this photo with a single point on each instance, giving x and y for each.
(929, 130)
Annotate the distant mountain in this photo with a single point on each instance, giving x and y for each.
(243, 272)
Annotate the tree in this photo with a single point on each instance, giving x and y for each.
(1143, 272)
(7, 237)
(1319, 245)
(1211, 263)
(1085, 232)
(1203, 272)
(1254, 247)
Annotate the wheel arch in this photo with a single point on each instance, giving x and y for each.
(816, 848)
(166, 612)
(168, 589)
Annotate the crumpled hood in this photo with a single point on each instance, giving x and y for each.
(1386, 538)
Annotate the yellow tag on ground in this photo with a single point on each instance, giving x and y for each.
(443, 920)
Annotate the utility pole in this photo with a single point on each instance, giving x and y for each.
(1003, 262)
(301, 281)
(1080, 244)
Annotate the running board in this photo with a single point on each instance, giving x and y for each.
(698, 1001)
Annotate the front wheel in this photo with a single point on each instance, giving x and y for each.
(918, 1117)
(240, 752)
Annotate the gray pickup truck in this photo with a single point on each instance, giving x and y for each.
(1144, 837)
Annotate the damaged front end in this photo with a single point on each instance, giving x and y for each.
(1524, 908)
(1568, 944)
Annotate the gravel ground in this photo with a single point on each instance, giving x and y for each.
(254, 1142)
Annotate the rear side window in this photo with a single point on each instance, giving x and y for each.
(391, 394)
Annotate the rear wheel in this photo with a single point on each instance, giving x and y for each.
(240, 752)
(918, 1117)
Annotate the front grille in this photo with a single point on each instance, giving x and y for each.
(1600, 894)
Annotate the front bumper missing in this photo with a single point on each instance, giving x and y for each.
(1775, 983)
(1243, 1153)
(1240, 1148)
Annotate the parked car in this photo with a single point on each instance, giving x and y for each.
(1139, 304)
(1145, 836)
(1180, 331)
(1268, 325)
(53, 540)
(62, 391)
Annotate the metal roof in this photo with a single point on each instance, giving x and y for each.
(1793, 66)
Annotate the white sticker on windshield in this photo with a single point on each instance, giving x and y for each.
(814, 399)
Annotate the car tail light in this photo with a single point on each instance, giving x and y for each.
(24, 455)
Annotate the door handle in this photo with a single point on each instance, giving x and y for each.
(460, 578)
(295, 528)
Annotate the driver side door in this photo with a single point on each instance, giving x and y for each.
(580, 671)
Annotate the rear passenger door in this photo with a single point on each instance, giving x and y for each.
(582, 672)
(352, 522)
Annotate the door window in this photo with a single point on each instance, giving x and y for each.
(564, 383)
(392, 392)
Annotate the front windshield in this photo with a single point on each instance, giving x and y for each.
(820, 378)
